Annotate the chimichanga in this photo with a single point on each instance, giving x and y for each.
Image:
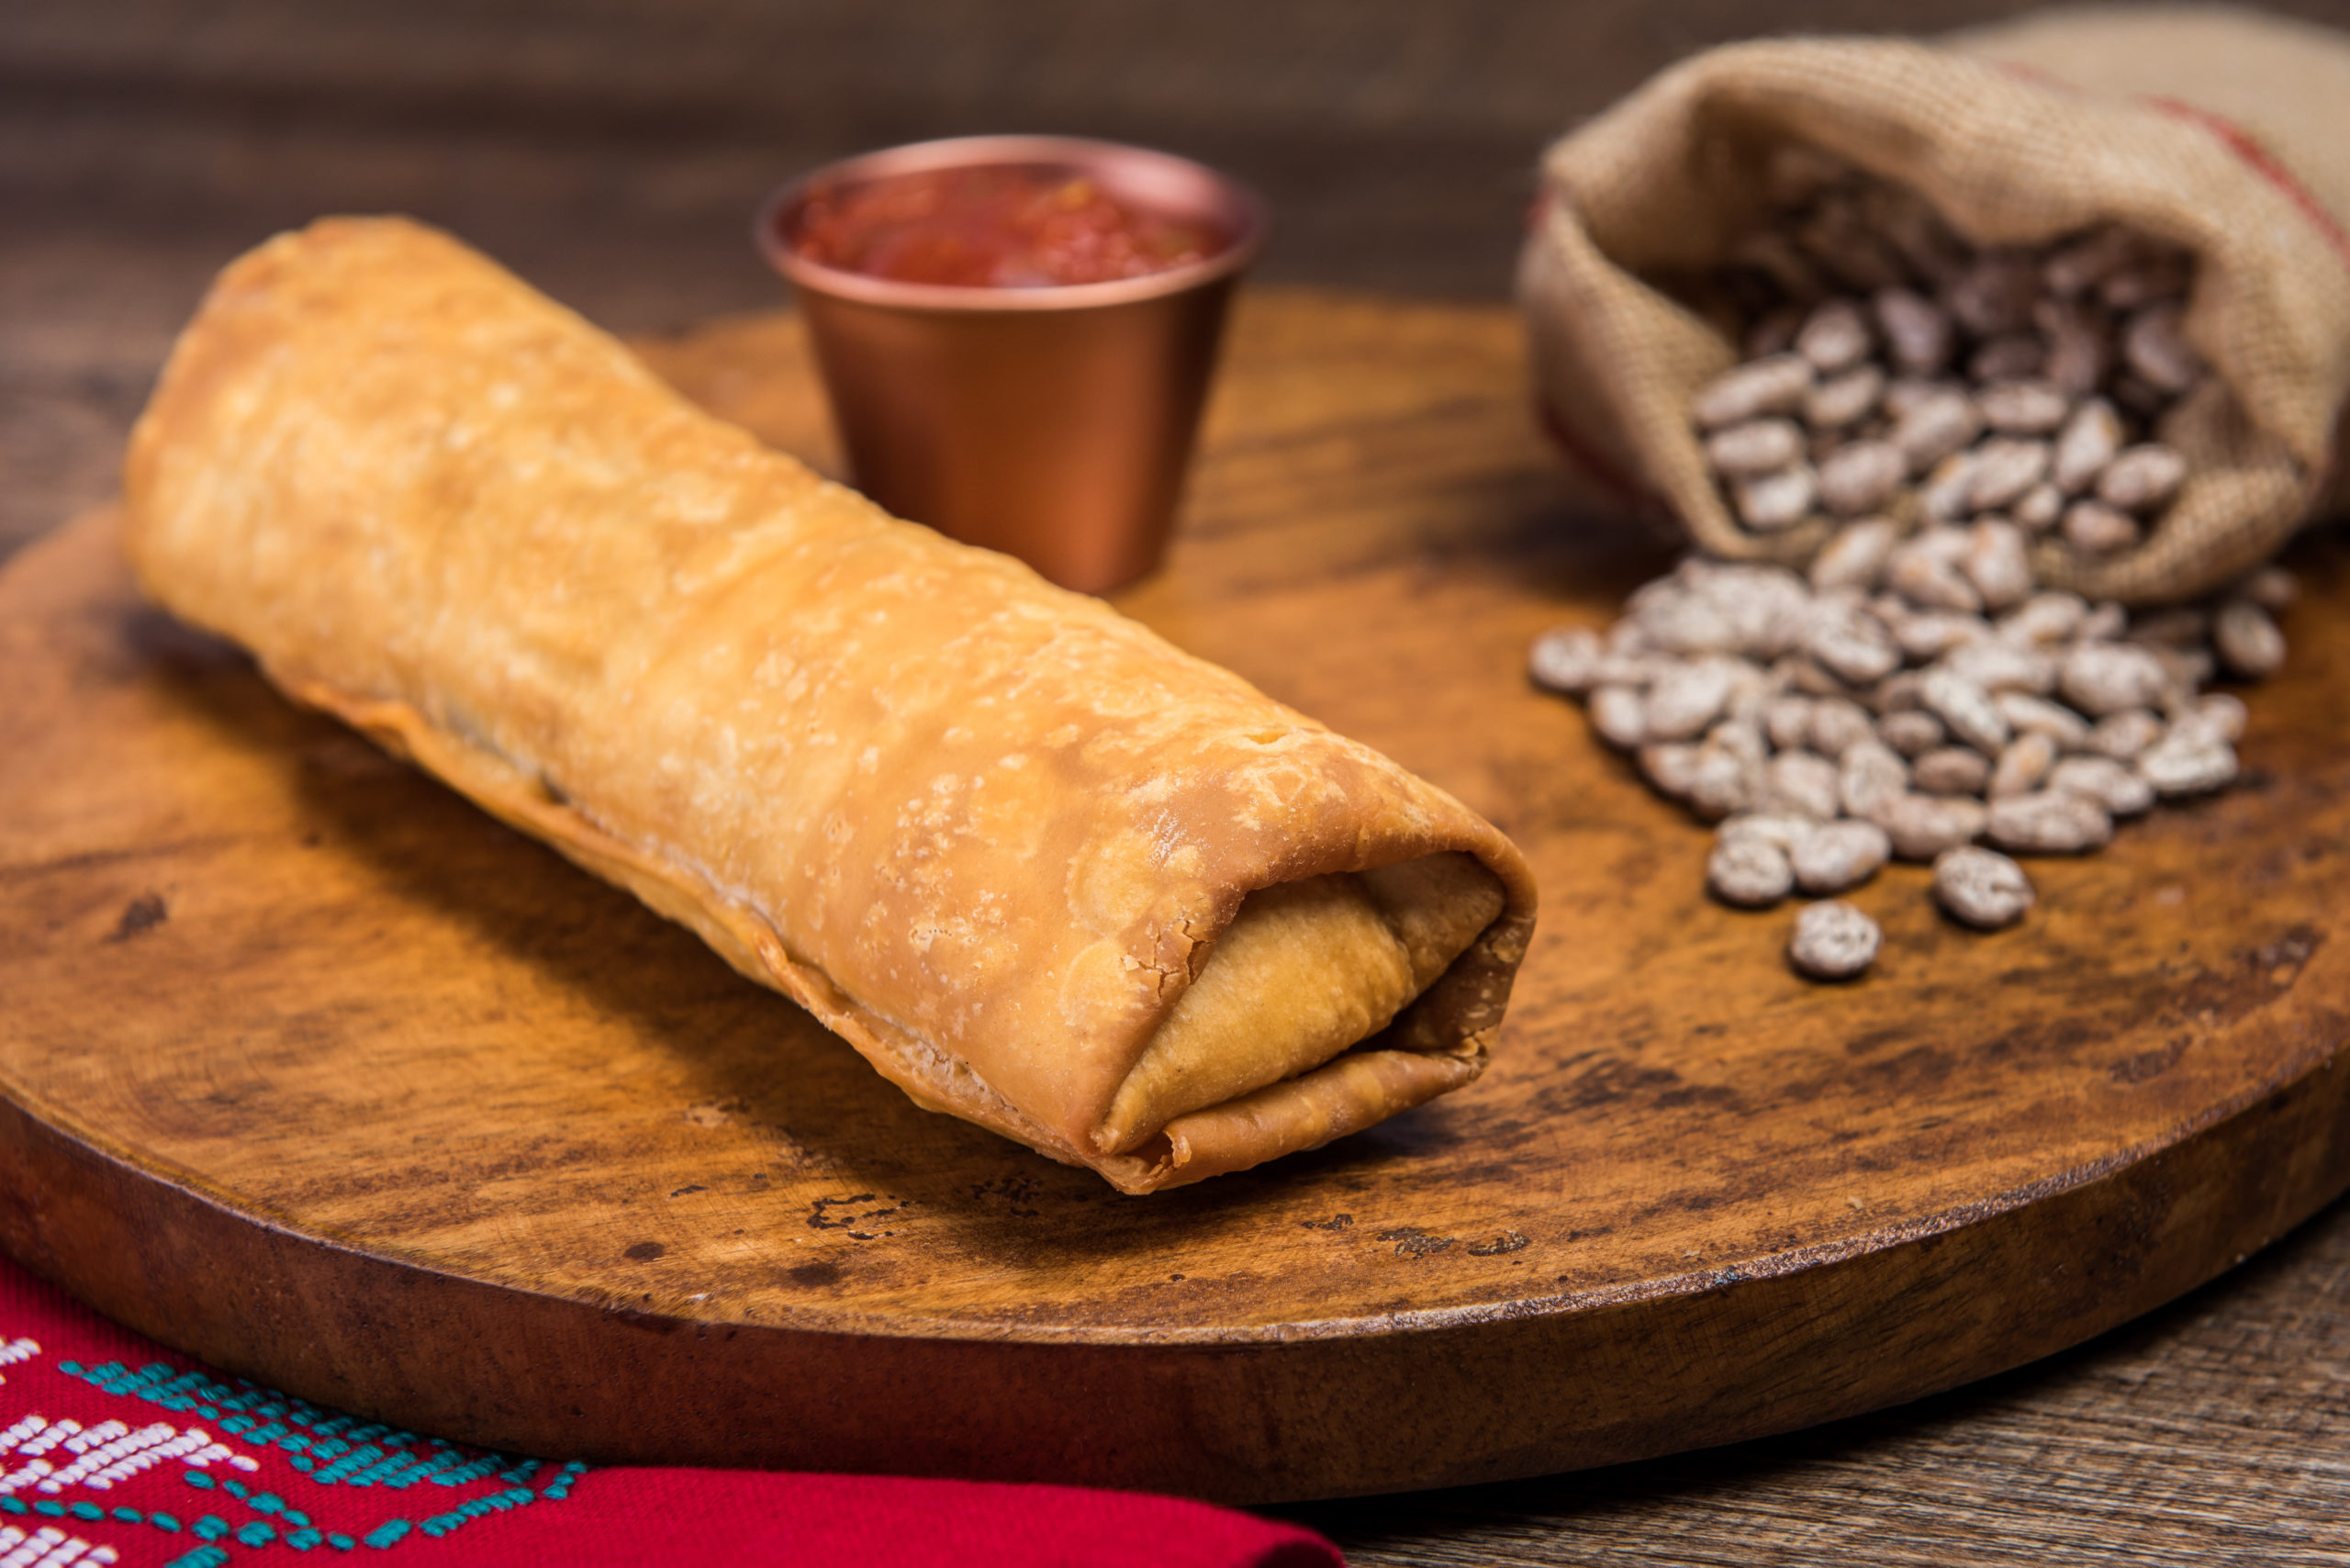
(1044, 871)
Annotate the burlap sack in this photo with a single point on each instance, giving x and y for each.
(2220, 130)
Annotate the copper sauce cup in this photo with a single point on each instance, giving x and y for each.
(1052, 422)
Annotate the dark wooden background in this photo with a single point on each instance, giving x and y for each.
(612, 149)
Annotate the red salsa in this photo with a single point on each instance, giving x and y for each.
(995, 226)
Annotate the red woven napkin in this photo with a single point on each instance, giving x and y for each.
(114, 1451)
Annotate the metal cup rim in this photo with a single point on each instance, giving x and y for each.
(1237, 205)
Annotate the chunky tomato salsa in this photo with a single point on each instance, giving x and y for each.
(995, 226)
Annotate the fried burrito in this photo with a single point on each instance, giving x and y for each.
(1044, 871)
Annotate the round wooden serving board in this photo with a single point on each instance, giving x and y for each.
(313, 1071)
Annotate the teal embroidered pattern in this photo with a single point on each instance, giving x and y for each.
(230, 1515)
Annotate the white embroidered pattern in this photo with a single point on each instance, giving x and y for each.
(104, 1454)
(48, 1547)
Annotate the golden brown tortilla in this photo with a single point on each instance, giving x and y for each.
(1044, 871)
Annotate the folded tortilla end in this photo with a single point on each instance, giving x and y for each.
(1306, 969)
(1344, 1096)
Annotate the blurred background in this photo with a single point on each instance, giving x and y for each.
(610, 150)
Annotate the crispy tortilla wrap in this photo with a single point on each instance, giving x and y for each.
(1045, 871)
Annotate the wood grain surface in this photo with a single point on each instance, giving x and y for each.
(293, 1037)
(2209, 1432)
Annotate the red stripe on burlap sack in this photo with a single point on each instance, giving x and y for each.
(2261, 162)
(2230, 135)
(2247, 147)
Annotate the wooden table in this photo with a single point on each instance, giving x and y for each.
(2212, 1431)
